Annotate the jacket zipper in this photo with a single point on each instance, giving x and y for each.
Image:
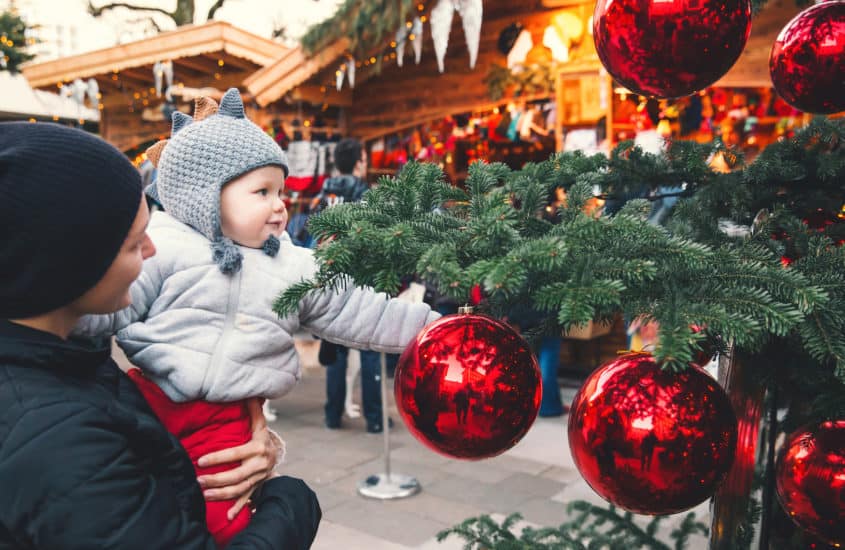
(228, 328)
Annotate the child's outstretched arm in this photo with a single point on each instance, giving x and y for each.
(363, 319)
(143, 293)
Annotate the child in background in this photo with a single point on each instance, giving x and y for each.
(201, 325)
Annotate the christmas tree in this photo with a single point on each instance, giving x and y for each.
(13, 41)
(775, 292)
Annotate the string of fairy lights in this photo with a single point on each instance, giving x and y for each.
(376, 61)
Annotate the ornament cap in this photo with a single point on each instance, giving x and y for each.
(465, 310)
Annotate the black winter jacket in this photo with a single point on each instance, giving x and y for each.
(84, 463)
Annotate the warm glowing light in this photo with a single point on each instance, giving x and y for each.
(220, 62)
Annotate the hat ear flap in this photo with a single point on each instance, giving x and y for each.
(231, 104)
(180, 120)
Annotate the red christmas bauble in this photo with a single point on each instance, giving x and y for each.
(468, 387)
(670, 49)
(807, 63)
(651, 441)
(811, 480)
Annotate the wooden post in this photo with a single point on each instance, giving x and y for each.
(730, 504)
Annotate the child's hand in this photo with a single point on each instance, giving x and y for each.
(257, 459)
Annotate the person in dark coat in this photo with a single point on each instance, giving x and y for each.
(349, 186)
(84, 463)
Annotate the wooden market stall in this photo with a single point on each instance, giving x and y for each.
(206, 60)
(390, 101)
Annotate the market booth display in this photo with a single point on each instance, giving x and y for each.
(141, 83)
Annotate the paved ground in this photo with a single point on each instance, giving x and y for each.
(536, 478)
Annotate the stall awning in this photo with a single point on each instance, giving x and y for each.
(19, 102)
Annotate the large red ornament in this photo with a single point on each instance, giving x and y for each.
(670, 49)
(807, 63)
(652, 441)
(811, 480)
(468, 387)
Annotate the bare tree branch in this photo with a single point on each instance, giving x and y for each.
(96, 12)
(217, 5)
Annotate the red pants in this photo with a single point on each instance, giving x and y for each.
(202, 428)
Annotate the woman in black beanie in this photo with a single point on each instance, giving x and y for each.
(84, 463)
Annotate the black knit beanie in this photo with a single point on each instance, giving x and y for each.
(67, 202)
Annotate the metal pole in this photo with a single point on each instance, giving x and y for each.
(385, 419)
(387, 485)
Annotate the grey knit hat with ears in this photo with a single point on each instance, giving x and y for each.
(203, 155)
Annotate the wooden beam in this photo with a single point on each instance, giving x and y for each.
(319, 95)
(187, 41)
(371, 131)
(290, 71)
(261, 79)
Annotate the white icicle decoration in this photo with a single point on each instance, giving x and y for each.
(350, 72)
(338, 77)
(167, 69)
(93, 92)
(401, 36)
(417, 31)
(471, 12)
(158, 75)
(441, 25)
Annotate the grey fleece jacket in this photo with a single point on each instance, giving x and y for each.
(201, 334)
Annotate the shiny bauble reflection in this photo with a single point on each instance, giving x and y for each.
(652, 441)
(807, 63)
(810, 479)
(468, 387)
(670, 48)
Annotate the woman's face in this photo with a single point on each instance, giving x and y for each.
(111, 293)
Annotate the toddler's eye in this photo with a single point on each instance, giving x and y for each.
(262, 192)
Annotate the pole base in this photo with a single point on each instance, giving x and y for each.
(388, 486)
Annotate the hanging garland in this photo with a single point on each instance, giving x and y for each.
(366, 24)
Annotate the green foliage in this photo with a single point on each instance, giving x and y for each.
(493, 234)
(591, 528)
(534, 79)
(13, 41)
(366, 24)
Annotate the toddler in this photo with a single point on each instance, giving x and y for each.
(201, 325)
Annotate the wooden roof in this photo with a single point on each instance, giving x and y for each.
(290, 70)
(194, 49)
(206, 59)
(296, 68)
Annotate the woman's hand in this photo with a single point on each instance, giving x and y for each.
(257, 459)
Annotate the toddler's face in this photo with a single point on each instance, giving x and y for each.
(251, 207)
